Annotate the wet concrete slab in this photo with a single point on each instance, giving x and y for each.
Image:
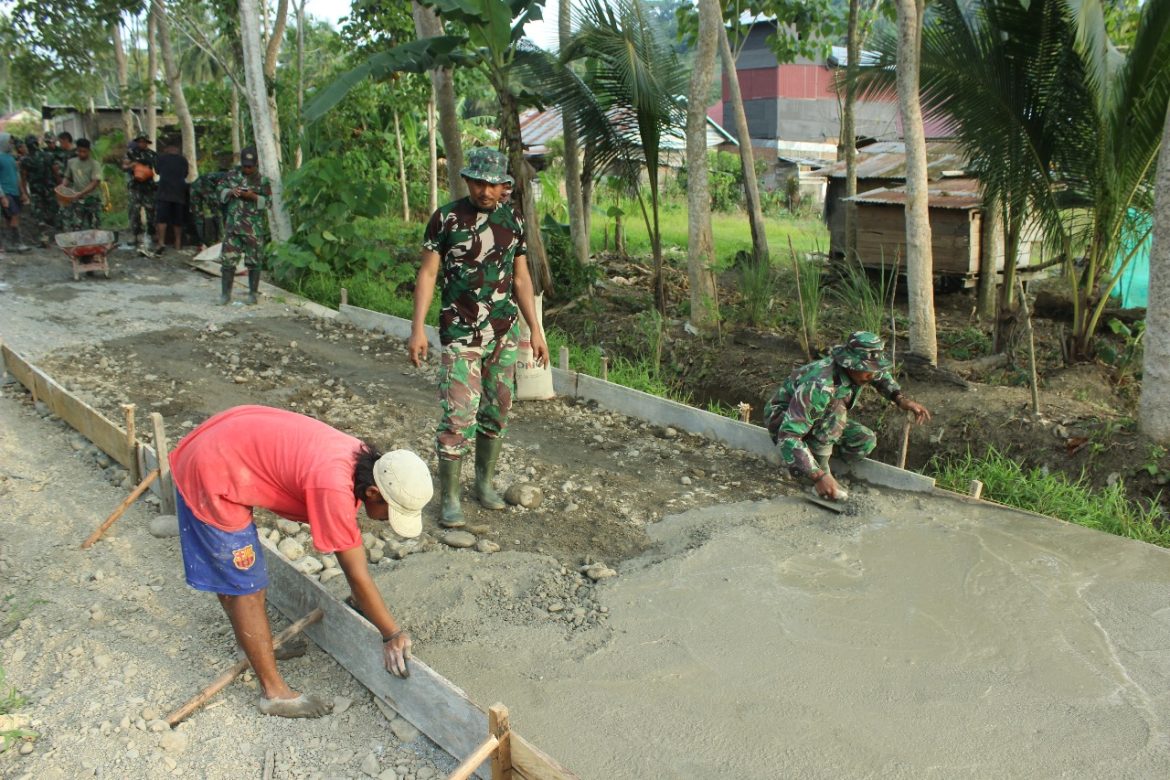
(923, 637)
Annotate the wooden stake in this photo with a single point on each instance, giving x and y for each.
(130, 499)
(344, 297)
(238, 668)
(605, 369)
(269, 764)
(975, 488)
(564, 359)
(163, 450)
(800, 302)
(499, 727)
(1031, 346)
(132, 441)
(905, 443)
(745, 412)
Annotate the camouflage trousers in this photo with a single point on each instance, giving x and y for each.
(138, 199)
(832, 431)
(81, 214)
(239, 245)
(45, 211)
(476, 385)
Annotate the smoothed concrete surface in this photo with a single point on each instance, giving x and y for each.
(921, 638)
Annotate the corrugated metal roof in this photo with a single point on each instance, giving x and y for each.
(539, 128)
(887, 160)
(961, 194)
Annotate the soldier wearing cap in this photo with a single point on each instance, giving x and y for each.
(305, 471)
(139, 164)
(808, 415)
(244, 194)
(477, 246)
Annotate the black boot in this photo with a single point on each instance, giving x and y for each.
(253, 285)
(226, 277)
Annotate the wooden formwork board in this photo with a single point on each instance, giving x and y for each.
(88, 421)
(433, 704)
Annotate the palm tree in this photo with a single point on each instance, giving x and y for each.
(1061, 128)
(631, 98)
(1154, 417)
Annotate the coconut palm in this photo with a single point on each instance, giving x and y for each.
(1061, 128)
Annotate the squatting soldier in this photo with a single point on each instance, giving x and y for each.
(206, 208)
(808, 415)
(477, 244)
(38, 174)
(244, 194)
(139, 164)
(83, 174)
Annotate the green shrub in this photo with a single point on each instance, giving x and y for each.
(571, 278)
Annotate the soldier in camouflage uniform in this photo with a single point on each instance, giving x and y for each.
(477, 246)
(206, 208)
(38, 173)
(83, 174)
(244, 194)
(62, 154)
(140, 194)
(808, 415)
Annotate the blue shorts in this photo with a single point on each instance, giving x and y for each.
(226, 562)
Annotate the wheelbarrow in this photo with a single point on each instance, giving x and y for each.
(88, 250)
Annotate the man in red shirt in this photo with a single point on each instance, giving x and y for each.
(306, 471)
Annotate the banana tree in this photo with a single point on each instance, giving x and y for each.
(492, 39)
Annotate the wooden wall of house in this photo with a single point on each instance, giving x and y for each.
(834, 213)
(955, 237)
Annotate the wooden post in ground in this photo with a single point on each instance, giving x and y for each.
(604, 369)
(238, 668)
(564, 359)
(344, 297)
(130, 499)
(499, 727)
(1031, 346)
(745, 412)
(132, 442)
(975, 488)
(905, 443)
(163, 451)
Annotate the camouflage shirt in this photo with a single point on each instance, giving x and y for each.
(244, 216)
(477, 254)
(38, 171)
(806, 398)
(205, 192)
(146, 157)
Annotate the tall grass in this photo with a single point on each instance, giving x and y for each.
(867, 299)
(758, 285)
(1055, 494)
(809, 293)
(640, 374)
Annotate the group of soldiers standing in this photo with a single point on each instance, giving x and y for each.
(42, 163)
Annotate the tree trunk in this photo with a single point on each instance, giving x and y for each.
(849, 126)
(700, 249)
(576, 203)
(271, 56)
(587, 167)
(1154, 405)
(300, 155)
(427, 25)
(919, 262)
(433, 153)
(151, 74)
(402, 170)
(262, 129)
(751, 188)
(1006, 315)
(991, 247)
(123, 80)
(175, 85)
(235, 110)
(522, 197)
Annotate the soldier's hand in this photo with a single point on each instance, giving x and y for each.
(827, 487)
(417, 345)
(539, 349)
(920, 412)
(396, 653)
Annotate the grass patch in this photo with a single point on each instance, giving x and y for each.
(1055, 494)
(638, 374)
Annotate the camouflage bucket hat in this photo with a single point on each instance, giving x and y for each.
(488, 165)
(864, 351)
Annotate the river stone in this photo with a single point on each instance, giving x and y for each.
(524, 494)
(174, 741)
(329, 574)
(370, 765)
(288, 527)
(164, 526)
(487, 546)
(458, 539)
(404, 730)
(309, 565)
(291, 549)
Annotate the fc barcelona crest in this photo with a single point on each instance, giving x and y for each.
(244, 557)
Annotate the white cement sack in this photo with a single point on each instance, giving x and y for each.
(212, 252)
(533, 382)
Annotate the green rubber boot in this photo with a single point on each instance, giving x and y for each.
(226, 277)
(253, 286)
(451, 512)
(487, 452)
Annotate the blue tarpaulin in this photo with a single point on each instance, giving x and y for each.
(1134, 286)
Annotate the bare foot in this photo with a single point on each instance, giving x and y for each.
(293, 648)
(303, 706)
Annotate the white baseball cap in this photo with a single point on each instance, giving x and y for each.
(404, 481)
